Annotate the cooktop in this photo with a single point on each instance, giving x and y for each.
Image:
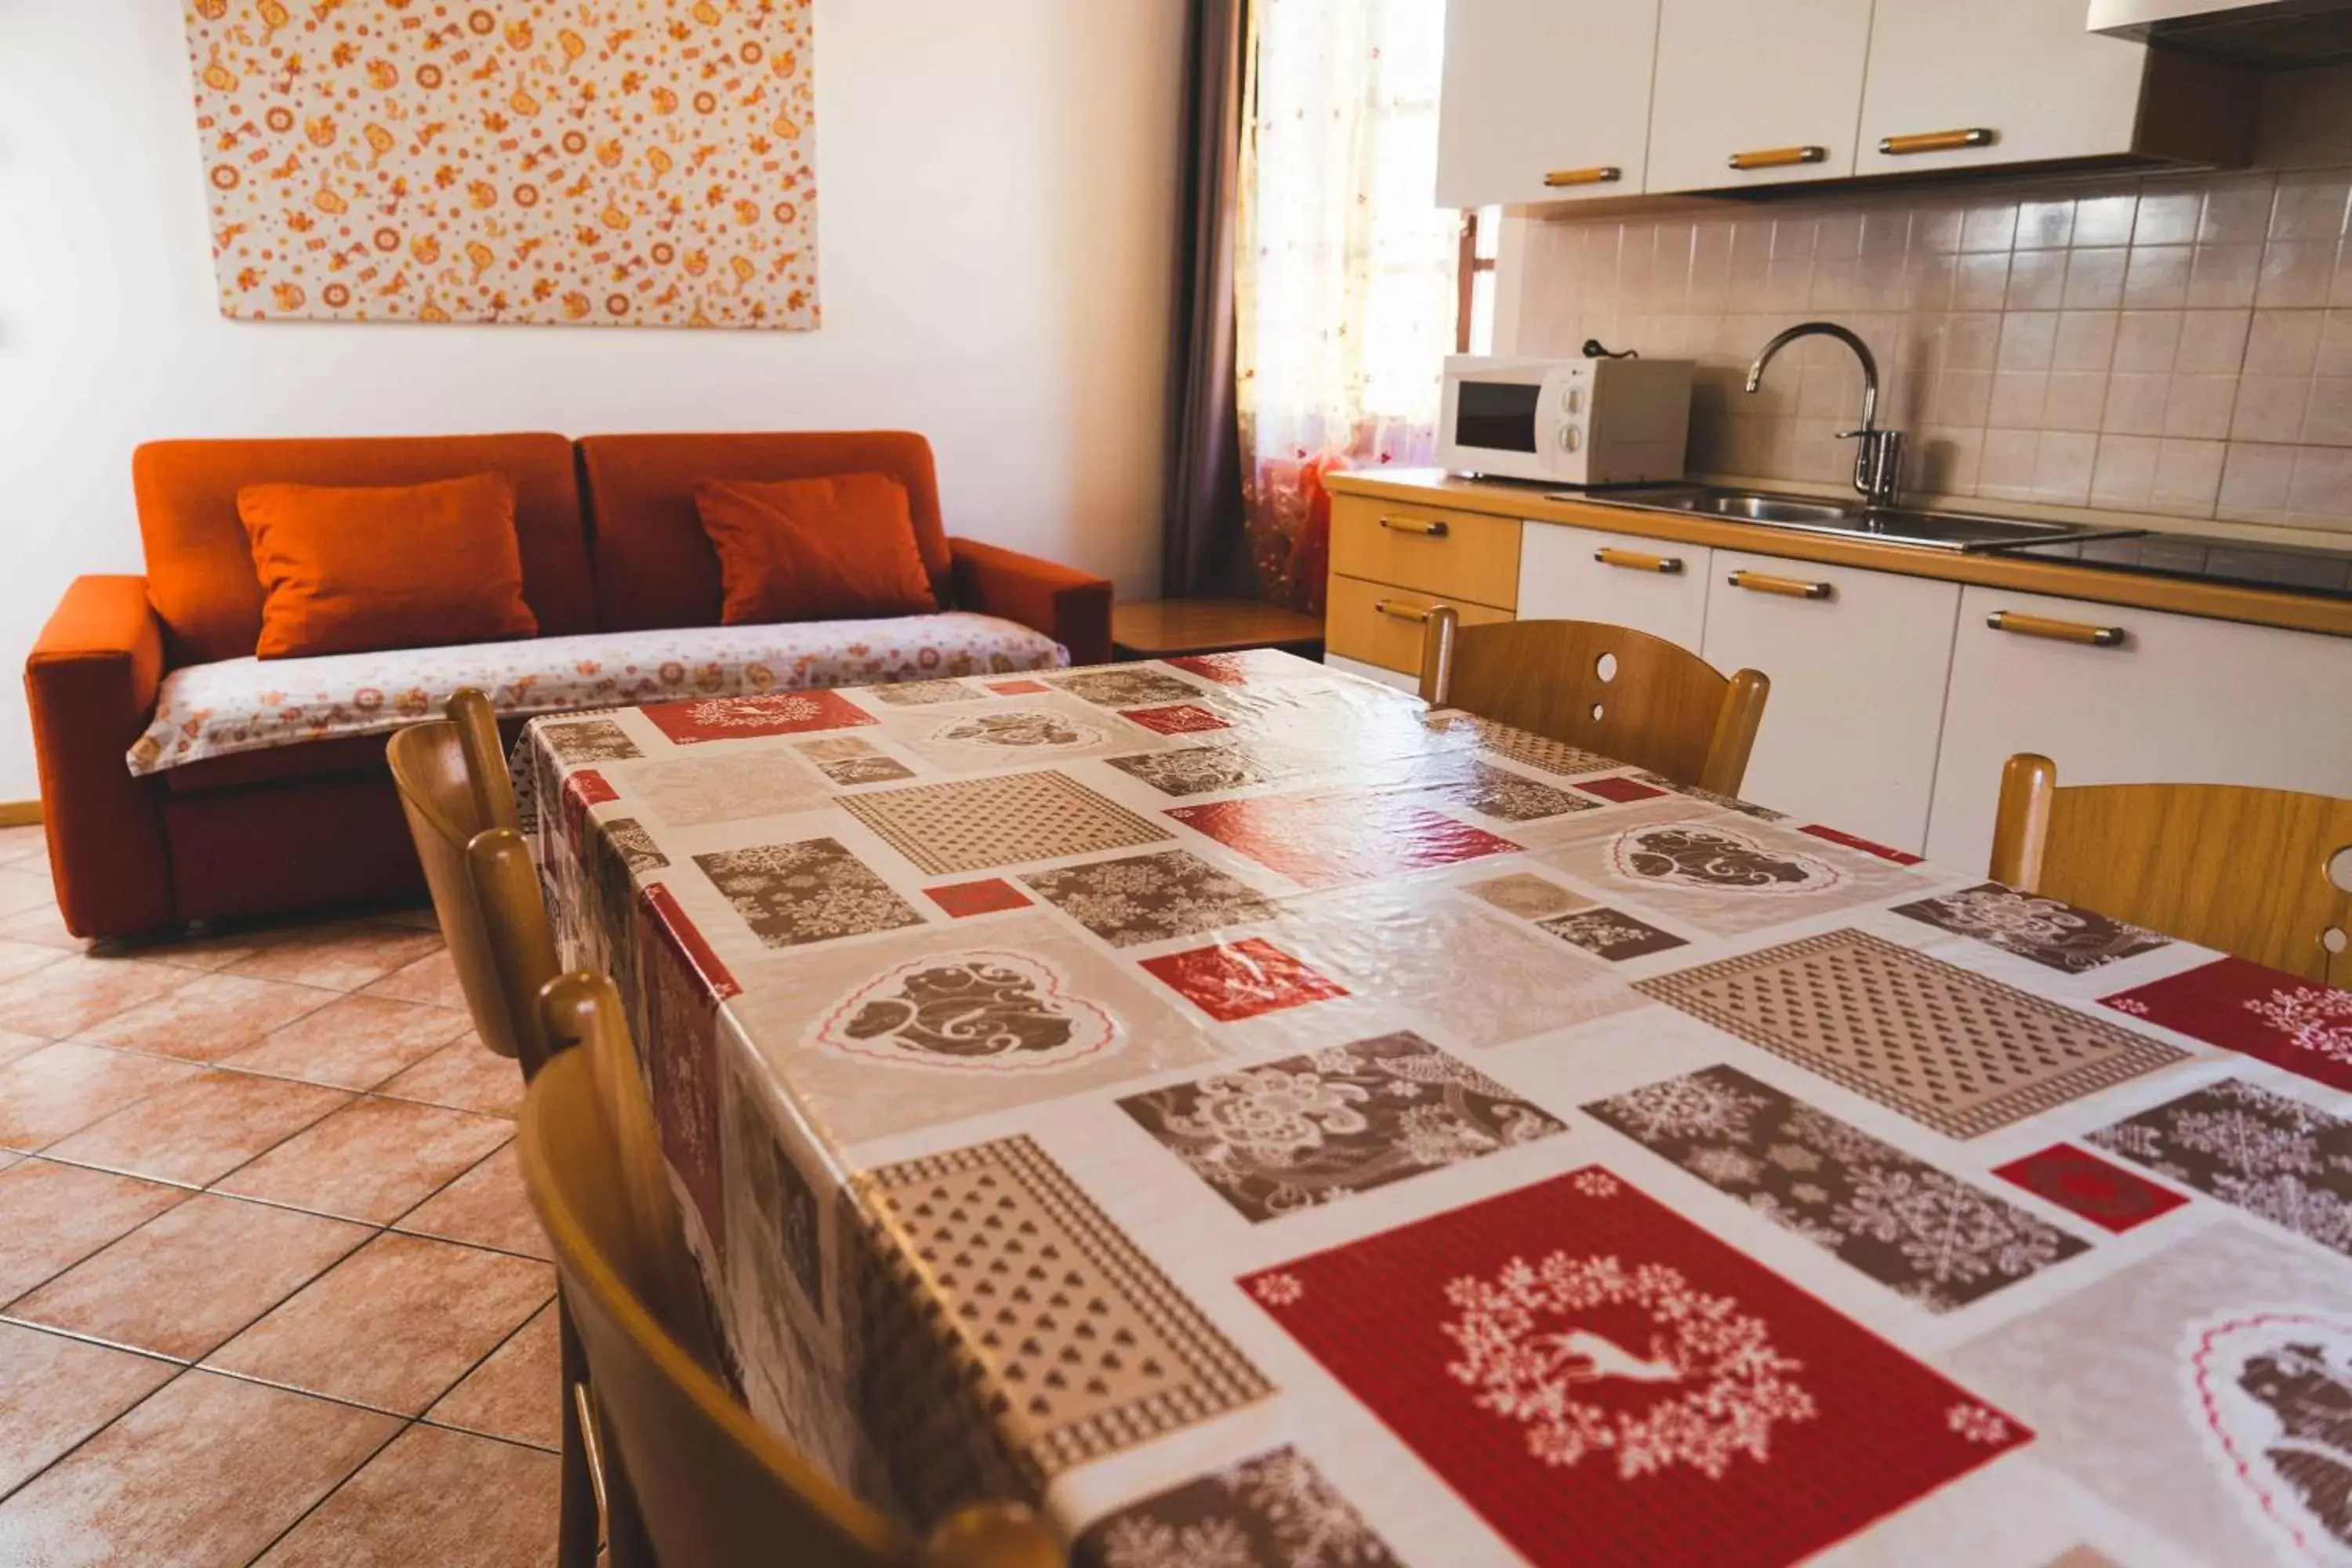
(2235, 561)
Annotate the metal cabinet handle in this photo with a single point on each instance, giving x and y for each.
(1636, 561)
(1598, 174)
(1425, 527)
(2055, 630)
(1389, 609)
(1787, 588)
(1778, 157)
(1935, 140)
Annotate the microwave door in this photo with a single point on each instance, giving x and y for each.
(1497, 416)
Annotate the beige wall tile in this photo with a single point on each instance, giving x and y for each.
(2160, 344)
(2255, 482)
(2157, 276)
(2124, 471)
(2327, 419)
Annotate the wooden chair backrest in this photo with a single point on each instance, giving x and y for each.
(2247, 871)
(522, 944)
(436, 794)
(485, 757)
(705, 1483)
(1659, 707)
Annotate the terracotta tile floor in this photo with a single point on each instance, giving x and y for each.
(268, 1289)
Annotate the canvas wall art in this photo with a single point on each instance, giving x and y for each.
(621, 163)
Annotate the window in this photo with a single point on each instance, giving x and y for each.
(1474, 282)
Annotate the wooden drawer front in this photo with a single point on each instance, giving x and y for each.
(1357, 628)
(1456, 556)
(2177, 700)
(1652, 585)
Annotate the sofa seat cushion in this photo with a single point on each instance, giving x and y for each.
(239, 705)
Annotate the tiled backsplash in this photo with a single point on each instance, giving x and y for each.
(2169, 344)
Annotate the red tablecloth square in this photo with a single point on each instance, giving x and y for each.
(1233, 980)
(1606, 1382)
(1329, 840)
(2080, 1183)
(770, 713)
(985, 896)
(1176, 719)
(2266, 1014)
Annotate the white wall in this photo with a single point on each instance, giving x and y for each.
(998, 193)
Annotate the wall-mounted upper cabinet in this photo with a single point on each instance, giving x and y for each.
(1546, 100)
(1756, 92)
(1562, 101)
(1960, 85)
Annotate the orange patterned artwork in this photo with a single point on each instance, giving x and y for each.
(618, 162)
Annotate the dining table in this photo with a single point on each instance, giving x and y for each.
(1256, 1119)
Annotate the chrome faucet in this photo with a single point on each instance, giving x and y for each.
(1878, 459)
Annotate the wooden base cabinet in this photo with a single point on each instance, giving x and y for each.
(2118, 696)
(1858, 662)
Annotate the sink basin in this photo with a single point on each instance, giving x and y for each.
(1761, 508)
(1965, 531)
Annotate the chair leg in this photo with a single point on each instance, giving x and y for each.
(576, 1527)
(628, 1546)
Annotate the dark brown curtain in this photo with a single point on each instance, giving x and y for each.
(1203, 550)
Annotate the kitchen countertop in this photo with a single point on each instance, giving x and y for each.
(2219, 601)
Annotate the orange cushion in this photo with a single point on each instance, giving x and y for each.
(654, 565)
(353, 570)
(829, 549)
(200, 572)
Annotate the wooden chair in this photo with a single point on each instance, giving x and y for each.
(1622, 693)
(485, 757)
(486, 895)
(444, 814)
(2262, 874)
(692, 1480)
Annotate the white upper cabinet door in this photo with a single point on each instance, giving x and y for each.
(1544, 100)
(2178, 700)
(2021, 80)
(1858, 662)
(1652, 585)
(1766, 82)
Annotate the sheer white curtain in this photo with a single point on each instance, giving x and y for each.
(1345, 294)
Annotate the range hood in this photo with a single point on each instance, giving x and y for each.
(2275, 34)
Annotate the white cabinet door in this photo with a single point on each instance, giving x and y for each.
(2181, 700)
(1537, 87)
(2025, 70)
(1858, 676)
(1746, 77)
(1652, 585)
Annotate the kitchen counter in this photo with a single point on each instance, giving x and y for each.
(2268, 606)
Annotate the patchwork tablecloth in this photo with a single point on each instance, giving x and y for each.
(1267, 1123)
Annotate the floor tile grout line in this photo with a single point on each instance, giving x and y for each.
(6, 1314)
(93, 1435)
(471, 1368)
(406, 1426)
(82, 1036)
(320, 1501)
(393, 1224)
(377, 1228)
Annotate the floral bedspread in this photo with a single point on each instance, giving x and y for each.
(250, 704)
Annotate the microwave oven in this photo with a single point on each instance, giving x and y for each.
(1566, 421)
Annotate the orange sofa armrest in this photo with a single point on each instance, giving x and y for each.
(1073, 607)
(91, 684)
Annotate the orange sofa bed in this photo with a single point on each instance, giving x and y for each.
(609, 542)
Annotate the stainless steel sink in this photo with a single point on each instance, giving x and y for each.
(1761, 508)
(1965, 531)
